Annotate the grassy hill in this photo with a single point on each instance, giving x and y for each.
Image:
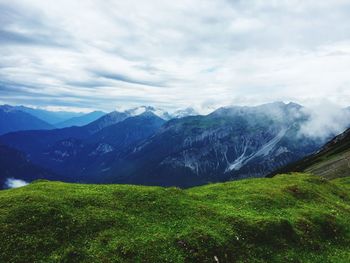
(288, 218)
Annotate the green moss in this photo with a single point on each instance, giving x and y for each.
(288, 218)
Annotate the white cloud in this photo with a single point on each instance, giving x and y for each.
(244, 25)
(14, 183)
(104, 54)
(325, 120)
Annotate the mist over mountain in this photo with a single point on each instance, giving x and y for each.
(325, 120)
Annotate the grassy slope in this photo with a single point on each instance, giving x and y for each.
(332, 166)
(298, 218)
(332, 161)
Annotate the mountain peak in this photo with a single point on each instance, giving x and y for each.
(142, 109)
(7, 108)
(180, 113)
(148, 114)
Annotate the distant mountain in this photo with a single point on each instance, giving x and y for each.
(84, 152)
(51, 117)
(103, 149)
(105, 121)
(12, 119)
(81, 120)
(14, 165)
(130, 130)
(332, 161)
(35, 142)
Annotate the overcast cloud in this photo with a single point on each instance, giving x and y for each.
(107, 54)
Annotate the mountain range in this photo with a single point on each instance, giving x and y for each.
(20, 118)
(26, 118)
(139, 147)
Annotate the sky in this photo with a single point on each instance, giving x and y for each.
(105, 55)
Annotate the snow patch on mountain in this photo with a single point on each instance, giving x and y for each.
(165, 115)
(143, 109)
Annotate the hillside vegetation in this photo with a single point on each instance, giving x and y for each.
(288, 218)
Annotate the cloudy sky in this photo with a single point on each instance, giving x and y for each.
(107, 54)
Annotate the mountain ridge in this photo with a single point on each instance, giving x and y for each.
(81, 120)
(12, 119)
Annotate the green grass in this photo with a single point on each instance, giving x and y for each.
(288, 218)
(332, 165)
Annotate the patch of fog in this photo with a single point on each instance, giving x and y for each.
(14, 183)
(325, 120)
